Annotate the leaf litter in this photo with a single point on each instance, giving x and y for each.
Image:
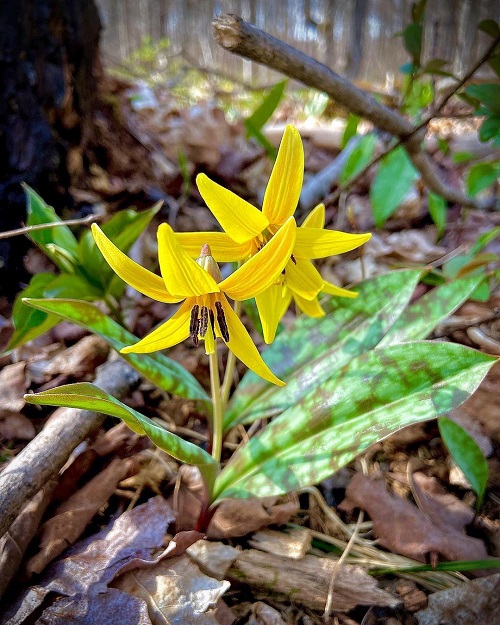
(118, 564)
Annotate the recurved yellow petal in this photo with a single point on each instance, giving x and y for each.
(244, 348)
(182, 274)
(312, 308)
(303, 278)
(262, 270)
(238, 218)
(333, 289)
(224, 249)
(138, 277)
(173, 331)
(272, 305)
(316, 218)
(318, 243)
(283, 189)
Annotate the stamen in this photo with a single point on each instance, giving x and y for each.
(221, 319)
(194, 324)
(212, 320)
(203, 322)
(293, 259)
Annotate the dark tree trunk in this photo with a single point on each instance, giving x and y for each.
(49, 76)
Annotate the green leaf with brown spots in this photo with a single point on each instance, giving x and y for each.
(162, 371)
(308, 353)
(89, 397)
(373, 396)
(419, 319)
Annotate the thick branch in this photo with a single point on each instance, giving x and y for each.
(47, 453)
(239, 37)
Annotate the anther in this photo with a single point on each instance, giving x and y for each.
(221, 319)
(194, 324)
(293, 259)
(212, 320)
(203, 321)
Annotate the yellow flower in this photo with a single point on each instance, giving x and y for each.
(248, 230)
(205, 312)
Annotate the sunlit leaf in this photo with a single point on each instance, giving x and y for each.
(304, 354)
(164, 372)
(467, 454)
(394, 178)
(262, 114)
(376, 394)
(89, 397)
(351, 128)
(359, 157)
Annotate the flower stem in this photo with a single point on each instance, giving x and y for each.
(218, 408)
(231, 363)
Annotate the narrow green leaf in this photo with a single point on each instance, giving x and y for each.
(123, 229)
(376, 394)
(351, 128)
(359, 157)
(40, 213)
(89, 397)
(490, 27)
(419, 319)
(412, 37)
(164, 372)
(437, 211)
(264, 111)
(489, 95)
(480, 177)
(303, 355)
(457, 565)
(394, 178)
(467, 454)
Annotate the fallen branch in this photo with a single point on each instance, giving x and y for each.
(47, 453)
(82, 221)
(239, 37)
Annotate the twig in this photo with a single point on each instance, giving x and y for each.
(46, 454)
(82, 221)
(239, 37)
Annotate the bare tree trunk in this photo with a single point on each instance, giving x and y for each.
(49, 68)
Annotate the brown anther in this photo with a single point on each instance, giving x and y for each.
(203, 322)
(194, 324)
(221, 320)
(212, 320)
(293, 259)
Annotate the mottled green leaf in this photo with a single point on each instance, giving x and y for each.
(303, 354)
(123, 229)
(376, 394)
(89, 397)
(394, 178)
(61, 236)
(419, 319)
(467, 454)
(30, 323)
(164, 372)
(359, 158)
(437, 211)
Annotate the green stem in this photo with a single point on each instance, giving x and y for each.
(231, 363)
(218, 408)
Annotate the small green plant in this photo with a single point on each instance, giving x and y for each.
(357, 367)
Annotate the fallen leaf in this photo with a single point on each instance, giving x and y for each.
(13, 386)
(132, 540)
(469, 603)
(14, 425)
(175, 591)
(263, 614)
(402, 528)
(72, 517)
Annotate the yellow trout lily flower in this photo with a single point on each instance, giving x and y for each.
(248, 230)
(205, 313)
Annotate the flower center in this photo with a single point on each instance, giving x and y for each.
(203, 321)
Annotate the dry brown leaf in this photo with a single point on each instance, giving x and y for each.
(132, 540)
(72, 517)
(402, 528)
(175, 591)
(14, 543)
(13, 386)
(294, 543)
(263, 614)
(213, 558)
(14, 425)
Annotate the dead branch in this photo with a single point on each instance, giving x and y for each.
(239, 37)
(46, 454)
(82, 221)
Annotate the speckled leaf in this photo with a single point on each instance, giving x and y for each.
(164, 372)
(378, 393)
(89, 397)
(304, 355)
(419, 319)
